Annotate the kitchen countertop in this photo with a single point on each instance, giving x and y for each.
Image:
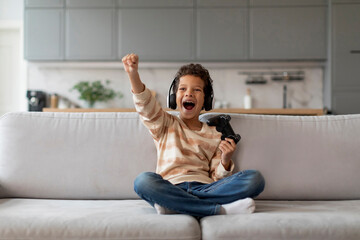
(266, 111)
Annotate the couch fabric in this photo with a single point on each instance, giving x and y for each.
(282, 220)
(70, 176)
(301, 157)
(91, 219)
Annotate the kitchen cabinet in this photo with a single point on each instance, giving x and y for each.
(173, 30)
(90, 3)
(287, 3)
(346, 101)
(44, 34)
(90, 34)
(44, 3)
(222, 34)
(154, 3)
(222, 3)
(345, 59)
(282, 30)
(157, 34)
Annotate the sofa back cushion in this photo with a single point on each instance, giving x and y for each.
(98, 155)
(301, 157)
(73, 155)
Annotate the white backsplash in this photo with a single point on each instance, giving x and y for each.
(229, 85)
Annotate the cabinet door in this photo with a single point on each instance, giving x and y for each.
(154, 3)
(44, 3)
(286, 3)
(222, 3)
(222, 34)
(157, 34)
(346, 102)
(346, 58)
(44, 33)
(90, 34)
(90, 3)
(346, 46)
(288, 33)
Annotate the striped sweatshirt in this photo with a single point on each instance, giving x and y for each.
(183, 155)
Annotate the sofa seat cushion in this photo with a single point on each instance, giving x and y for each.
(289, 220)
(91, 219)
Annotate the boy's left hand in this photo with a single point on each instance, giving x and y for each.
(227, 147)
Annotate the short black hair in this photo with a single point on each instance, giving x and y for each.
(195, 70)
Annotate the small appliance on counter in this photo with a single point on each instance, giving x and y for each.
(36, 100)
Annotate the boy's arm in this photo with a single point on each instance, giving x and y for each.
(221, 164)
(131, 63)
(150, 111)
(227, 148)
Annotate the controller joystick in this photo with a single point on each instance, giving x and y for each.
(222, 123)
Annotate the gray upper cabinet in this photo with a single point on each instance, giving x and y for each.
(222, 3)
(222, 34)
(154, 3)
(175, 30)
(90, 34)
(345, 1)
(157, 34)
(90, 3)
(44, 32)
(44, 3)
(287, 3)
(345, 58)
(287, 32)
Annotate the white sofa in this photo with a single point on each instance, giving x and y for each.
(70, 176)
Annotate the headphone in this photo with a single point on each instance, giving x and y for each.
(208, 101)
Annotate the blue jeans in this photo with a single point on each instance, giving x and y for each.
(198, 199)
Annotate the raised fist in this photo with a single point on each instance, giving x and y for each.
(131, 62)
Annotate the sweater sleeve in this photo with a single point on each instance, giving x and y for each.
(217, 170)
(151, 113)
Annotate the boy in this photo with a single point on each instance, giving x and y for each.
(194, 166)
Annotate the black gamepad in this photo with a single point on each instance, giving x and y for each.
(222, 123)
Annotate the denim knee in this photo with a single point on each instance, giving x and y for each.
(257, 182)
(143, 181)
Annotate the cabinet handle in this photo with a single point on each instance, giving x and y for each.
(355, 51)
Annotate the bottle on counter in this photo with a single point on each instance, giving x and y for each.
(247, 99)
(54, 101)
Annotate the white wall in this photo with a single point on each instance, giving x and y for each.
(13, 67)
(11, 9)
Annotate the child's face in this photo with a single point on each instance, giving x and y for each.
(190, 96)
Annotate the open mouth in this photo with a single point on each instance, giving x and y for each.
(188, 105)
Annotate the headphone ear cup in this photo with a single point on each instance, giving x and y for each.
(208, 103)
(172, 101)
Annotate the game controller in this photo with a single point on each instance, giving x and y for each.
(222, 123)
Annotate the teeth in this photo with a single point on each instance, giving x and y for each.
(192, 103)
(189, 105)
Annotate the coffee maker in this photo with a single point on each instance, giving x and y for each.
(36, 100)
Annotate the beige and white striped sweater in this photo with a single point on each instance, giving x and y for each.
(183, 155)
